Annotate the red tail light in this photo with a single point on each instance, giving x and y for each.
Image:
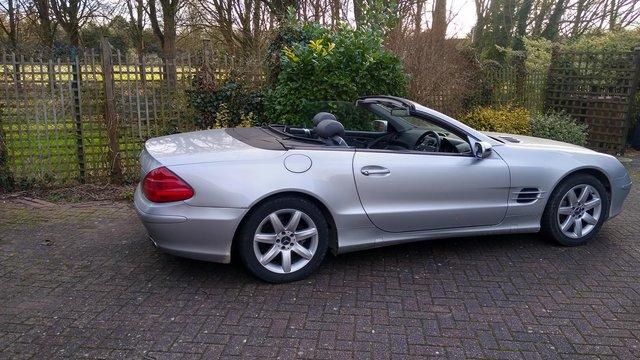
(162, 185)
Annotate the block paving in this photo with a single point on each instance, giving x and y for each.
(81, 280)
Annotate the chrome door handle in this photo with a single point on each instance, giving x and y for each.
(366, 171)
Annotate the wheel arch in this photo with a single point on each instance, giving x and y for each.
(599, 174)
(333, 232)
(595, 172)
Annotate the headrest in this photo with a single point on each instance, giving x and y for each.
(329, 128)
(323, 116)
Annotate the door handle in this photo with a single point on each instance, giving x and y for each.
(374, 170)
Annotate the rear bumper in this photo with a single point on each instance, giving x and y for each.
(203, 233)
(620, 189)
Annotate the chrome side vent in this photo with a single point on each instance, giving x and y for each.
(527, 195)
(510, 139)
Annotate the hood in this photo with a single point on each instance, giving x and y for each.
(203, 146)
(535, 142)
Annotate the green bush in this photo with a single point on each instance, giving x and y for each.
(228, 105)
(319, 64)
(559, 126)
(506, 119)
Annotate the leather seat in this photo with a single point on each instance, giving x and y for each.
(331, 132)
(323, 116)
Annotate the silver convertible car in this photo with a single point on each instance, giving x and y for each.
(278, 197)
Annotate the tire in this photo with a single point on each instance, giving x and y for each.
(265, 243)
(564, 211)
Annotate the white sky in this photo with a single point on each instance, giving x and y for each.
(463, 17)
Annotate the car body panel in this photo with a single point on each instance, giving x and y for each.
(203, 147)
(420, 193)
(231, 177)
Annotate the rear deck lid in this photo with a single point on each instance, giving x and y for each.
(204, 146)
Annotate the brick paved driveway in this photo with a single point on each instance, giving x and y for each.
(81, 280)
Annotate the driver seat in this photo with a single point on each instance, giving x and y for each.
(331, 132)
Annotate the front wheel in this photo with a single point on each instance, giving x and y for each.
(284, 240)
(576, 210)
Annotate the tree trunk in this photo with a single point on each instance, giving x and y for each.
(613, 12)
(46, 27)
(141, 65)
(169, 51)
(519, 47)
(499, 36)
(358, 11)
(553, 26)
(316, 11)
(440, 20)
(479, 28)
(575, 30)
(418, 18)
(111, 120)
(256, 27)
(335, 12)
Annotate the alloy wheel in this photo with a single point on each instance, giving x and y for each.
(579, 211)
(286, 248)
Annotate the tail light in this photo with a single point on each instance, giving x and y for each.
(162, 185)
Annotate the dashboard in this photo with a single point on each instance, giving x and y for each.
(415, 139)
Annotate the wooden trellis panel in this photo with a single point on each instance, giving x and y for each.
(52, 111)
(597, 89)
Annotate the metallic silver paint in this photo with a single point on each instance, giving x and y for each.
(427, 191)
(423, 196)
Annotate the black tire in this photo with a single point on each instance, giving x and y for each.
(246, 239)
(550, 223)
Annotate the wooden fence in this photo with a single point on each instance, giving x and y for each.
(598, 89)
(84, 118)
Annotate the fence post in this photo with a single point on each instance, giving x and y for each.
(110, 117)
(77, 113)
(549, 86)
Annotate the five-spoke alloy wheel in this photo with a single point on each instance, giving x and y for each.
(576, 210)
(284, 239)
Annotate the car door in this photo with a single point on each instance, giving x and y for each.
(413, 191)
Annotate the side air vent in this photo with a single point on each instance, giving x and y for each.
(510, 139)
(527, 195)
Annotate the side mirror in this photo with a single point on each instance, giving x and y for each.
(379, 125)
(482, 149)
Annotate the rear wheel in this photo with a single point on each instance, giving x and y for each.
(284, 240)
(576, 210)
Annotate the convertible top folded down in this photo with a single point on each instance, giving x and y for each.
(269, 139)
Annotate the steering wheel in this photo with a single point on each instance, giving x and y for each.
(431, 144)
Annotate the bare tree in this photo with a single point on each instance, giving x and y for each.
(482, 12)
(10, 25)
(439, 21)
(418, 16)
(552, 29)
(279, 7)
(136, 11)
(164, 24)
(45, 23)
(72, 15)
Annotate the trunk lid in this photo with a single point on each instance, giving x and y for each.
(199, 147)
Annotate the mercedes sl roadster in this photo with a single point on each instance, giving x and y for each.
(278, 197)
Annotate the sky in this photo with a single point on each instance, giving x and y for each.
(464, 17)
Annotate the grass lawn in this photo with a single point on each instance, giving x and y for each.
(48, 152)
